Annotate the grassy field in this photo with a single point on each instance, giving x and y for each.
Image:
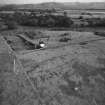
(70, 70)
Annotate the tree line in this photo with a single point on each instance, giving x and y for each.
(40, 20)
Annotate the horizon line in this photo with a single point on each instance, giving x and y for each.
(53, 2)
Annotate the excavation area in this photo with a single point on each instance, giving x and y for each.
(44, 67)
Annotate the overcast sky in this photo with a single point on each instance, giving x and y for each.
(39, 1)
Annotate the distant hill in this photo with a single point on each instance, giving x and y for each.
(56, 5)
(92, 5)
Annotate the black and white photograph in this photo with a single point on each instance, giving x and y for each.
(52, 52)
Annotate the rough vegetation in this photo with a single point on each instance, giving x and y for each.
(50, 20)
(63, 73)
